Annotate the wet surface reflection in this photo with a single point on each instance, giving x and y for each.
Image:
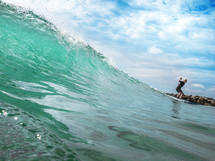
(176, 107)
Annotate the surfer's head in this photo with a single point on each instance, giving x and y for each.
(185, 81)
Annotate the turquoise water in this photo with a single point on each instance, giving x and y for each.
(61, 100)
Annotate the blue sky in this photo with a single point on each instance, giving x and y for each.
(155, 41)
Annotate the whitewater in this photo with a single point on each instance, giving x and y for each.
(60, 99)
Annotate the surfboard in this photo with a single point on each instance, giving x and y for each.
(185, 101)
(176, 98)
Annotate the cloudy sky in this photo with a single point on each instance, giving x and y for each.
(155, 41)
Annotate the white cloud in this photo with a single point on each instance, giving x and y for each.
(197, 85)
(141, 3)
(171, 59)
(207, 91)
(212, 89)
(70, 16)
(154, 50)
(78, 8)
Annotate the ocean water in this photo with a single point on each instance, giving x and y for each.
(60, 99)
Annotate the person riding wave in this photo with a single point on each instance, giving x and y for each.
(180, 85)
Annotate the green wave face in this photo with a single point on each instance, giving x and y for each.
(61, 100)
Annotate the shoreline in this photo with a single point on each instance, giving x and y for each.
(196, 99)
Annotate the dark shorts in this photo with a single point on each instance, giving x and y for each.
(179, 90)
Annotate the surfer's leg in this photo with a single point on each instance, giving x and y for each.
(178, 90)
(178, 95)
(182, 93)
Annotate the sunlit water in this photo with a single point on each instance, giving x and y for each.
(61, 100)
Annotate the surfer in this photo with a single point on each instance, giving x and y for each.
(180, 85)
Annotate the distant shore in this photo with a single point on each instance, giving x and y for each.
(197, 99)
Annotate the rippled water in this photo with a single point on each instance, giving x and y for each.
(61, 100)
